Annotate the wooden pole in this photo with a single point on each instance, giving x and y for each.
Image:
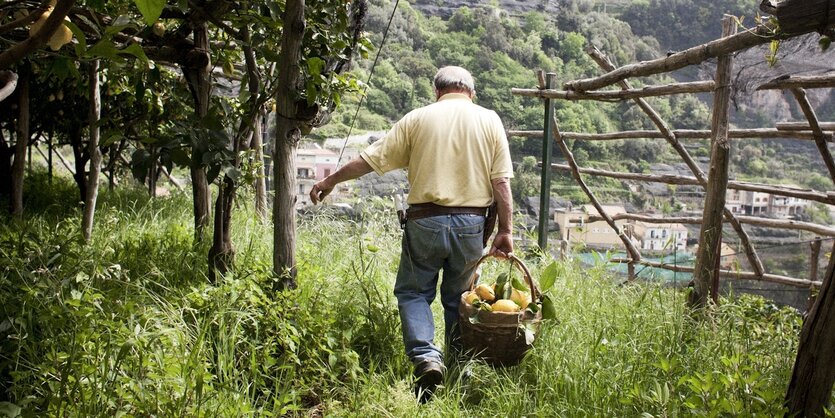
(756, 36)
(820, 140)
(669, 135)
(753, 220)
(61, 158)
(633, 252)
(813, 374)
(804, 126)
(95, 154)
(19, 163)
(545, 175)
(807, 82)
(288, 135)
(678, 133)
(731, 274)
(813, 271)
(807, 194)
(616, 95)
(711, 234)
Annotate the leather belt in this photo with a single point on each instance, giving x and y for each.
(426, 210)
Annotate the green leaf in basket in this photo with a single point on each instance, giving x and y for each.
(549, 276)
(549, 311)
(501, 284)
(533, 308)
(519, 284)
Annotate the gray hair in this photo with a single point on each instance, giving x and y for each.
(455, 78)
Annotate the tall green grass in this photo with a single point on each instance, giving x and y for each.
(130, 326)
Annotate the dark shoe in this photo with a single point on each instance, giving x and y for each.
(428, 374)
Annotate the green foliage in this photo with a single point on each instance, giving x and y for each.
(129, 325)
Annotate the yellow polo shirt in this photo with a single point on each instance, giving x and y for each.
(451, 148)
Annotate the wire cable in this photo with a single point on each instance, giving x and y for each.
(367, 83)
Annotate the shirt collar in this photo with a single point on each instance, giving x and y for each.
(454, 96)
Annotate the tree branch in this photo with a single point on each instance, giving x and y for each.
(16, 53)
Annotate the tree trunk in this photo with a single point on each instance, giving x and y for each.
(710, 237)
(19, 163)
(288, 134)
(81, 156)
(222, 253)
(95, 154)
(810, 388)
(6, 153)
(197, 69)
(260, 175)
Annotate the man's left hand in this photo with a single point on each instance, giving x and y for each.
(502, 245)
(319, 191)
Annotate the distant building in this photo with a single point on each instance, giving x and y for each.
(745, 202)
(661, 237)
(312, 165)
(575, 228)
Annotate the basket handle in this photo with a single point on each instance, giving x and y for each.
(516, 262)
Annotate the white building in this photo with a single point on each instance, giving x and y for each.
(761, 204)
(661, 237)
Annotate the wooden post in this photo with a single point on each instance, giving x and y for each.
(672, 139)
(813, 272)
(288, 135)
(711, 234)
(633, 252)
(816, 252)
(820, 137)
(260, 175)
(545, 176)
(19, 163)
(95, 154)
(810, 388)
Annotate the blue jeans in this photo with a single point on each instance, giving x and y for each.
(449, 242)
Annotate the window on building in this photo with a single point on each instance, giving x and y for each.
(301, 189)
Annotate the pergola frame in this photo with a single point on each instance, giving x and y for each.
(819, 132)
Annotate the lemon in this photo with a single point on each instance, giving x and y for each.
(471, 297)
(158, 29)
(523, 299)
(485, 292)
(505, 305)
(61, 37)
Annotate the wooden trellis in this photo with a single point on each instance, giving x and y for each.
(716, 181)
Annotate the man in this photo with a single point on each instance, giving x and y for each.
(458, 162)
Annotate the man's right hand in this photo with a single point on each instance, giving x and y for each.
(502, 245)
(320, 190)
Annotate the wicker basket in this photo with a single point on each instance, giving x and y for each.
(498, 338)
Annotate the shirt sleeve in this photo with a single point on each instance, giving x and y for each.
(502, 164)
(391, 152)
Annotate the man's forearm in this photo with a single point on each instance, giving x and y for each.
(504, 204)
(356, 168)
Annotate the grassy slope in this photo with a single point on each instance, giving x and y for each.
(129, 325)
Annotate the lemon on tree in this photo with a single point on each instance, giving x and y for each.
(62, 35)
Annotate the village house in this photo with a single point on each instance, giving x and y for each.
(661, 237)
(764, 204)
(575, 227)
(312, 165)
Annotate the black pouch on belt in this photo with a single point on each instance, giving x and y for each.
(490, 222)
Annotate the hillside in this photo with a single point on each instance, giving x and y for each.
(502, 42)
